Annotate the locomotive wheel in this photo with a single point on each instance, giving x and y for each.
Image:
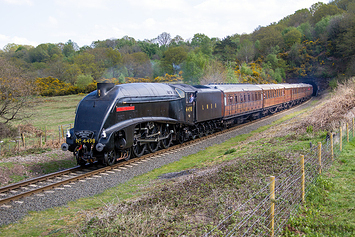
(153, 146)
(165, 143)
(200, 130)
(79, 160)
(209, 128)
(110, 158)
(139, 149)
(180, 136)
(126, 154)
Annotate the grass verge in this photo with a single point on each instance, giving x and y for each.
(330, 205)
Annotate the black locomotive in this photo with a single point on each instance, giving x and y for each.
(117, 122)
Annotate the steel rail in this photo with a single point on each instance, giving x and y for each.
(38, 179)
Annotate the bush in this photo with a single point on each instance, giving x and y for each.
(83, 81)
(50, 86)
(7, 131)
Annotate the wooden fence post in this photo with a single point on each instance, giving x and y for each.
(272, 205)
(62, 130)
(340, 139)
(59, 135)
(320, 156)
(24, 140)
(332, 146)
(45, 134)
(303, 178)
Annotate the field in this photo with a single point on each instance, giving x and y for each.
(53, 112)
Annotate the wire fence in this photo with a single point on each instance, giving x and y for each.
(38, 139)
(267, 212)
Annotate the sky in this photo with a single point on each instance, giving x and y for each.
(33, 22)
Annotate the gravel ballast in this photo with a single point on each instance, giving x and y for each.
(14, 211)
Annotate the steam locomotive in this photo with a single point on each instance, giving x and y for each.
(118, 122)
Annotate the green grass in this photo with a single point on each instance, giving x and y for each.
(330, 205)
(54, 166)
(52, 112)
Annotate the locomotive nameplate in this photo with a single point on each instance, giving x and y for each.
(85, 141)
(126, 108)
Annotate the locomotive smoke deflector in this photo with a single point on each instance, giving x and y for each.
(103, 88)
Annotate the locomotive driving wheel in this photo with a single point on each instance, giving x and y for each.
(165, 143)
(153, 131)
(138, 149)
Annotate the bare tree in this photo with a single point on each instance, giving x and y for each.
(15, 93)
(164, 39)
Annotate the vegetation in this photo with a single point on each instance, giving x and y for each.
(317, 42)
(329, 205)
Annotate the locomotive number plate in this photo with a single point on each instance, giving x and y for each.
(85, 141)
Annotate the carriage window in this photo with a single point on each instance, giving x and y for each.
(230, 100)
(248, 97)
(245, 98)
(236, 99)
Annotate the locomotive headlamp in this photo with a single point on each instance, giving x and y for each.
(68, 134)
(103, 134)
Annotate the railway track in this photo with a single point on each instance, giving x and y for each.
(62, 179)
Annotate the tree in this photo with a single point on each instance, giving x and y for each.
(325, 10)
(203, 42)
(113, 60)
(298, 18)
(172, 58)
(15, 92)
(70, 48)
(39, 54)
(151, 49)
(138, 64)
(226, 49)
(177, 41)
(269, 36)
(306, 29)
(164, 39)
(193, 67)
(246, 51)
(83, 81)
(293, 36)
(214, 72)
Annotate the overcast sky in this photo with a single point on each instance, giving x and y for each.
(33, 22)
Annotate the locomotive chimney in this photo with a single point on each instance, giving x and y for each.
(103, 88)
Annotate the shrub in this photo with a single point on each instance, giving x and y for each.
(50, 86)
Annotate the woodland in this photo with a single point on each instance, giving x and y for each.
(318, 42)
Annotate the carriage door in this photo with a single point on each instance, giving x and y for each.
(190, 107)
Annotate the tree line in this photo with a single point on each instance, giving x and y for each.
(314, 42)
